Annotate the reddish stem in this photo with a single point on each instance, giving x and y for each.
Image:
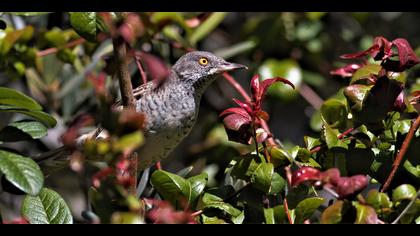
(141, 70)
(310, 96)
(401, 153)
(341, 136)
(237, 86)
(245, 95)
(158, 165)
(197, 213)
(286, 210)
(55, 49)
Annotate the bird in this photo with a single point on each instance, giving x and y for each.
(171, 106)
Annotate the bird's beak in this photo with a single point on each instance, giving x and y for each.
(228, 66)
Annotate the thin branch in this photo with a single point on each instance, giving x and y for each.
(141, 70)
(126, 88)
(407, 208)
(197, 213)
(310, 96)
(237, 86)
(286, 210)
(401, 153)
(341, 136)
(55, 49)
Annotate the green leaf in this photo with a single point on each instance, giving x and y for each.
(126, 218)
(206, 27)
(330, 136)
(314, 79)
(211, 220)
(129, 141)
(88, 24)
(365, 71)
(279, 156)
(306, 208)
(356, 95)
(275, 215)
(265, 179)
(236, 49)
(177, 17)
(212, 201)
(27, 13)
(262, 177)
(41, 116)
(287, 68)
(379, 201)
(334, 213)
(365, 214)
(334, 112)
(46, 208)
(12, 37)
(403, 192)
(316, 121)
(172, 187)
(21, 130)
(198, 183)
(311, 143)
(244, 166)
(14, 101)
(22, 172)
(17, 99)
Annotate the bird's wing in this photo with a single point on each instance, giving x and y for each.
(138, 92)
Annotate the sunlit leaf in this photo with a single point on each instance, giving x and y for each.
(22, 172)
(46, 208)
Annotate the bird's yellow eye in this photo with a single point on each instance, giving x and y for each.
(203, 61)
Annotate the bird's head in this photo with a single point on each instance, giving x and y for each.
(199, 68)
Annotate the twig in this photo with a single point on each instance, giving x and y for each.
(141, 70)
(401, 153)
(55, 49)
(407, 208)
(341, 136)
(286, 210)
(310, 96)
(126, 88)
(237, 86)
(197, 213)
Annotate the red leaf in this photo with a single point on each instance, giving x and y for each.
(346, 71)
(262, 135)
(399, 104)
(350, 185)
(268, 82)
(235, 110)
(330, 176)
(17, 221)
(380, 50)
(263, 115)
(407, 57)
(305, 174)
(245, 105)
(156, 68)
(164, 213)
(237, 126)
(255, 88)
(235, 121)
(384, 51)
(265, 84)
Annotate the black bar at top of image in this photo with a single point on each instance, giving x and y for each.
(209, 5)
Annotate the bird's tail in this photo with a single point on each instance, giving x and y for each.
(53, 160)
